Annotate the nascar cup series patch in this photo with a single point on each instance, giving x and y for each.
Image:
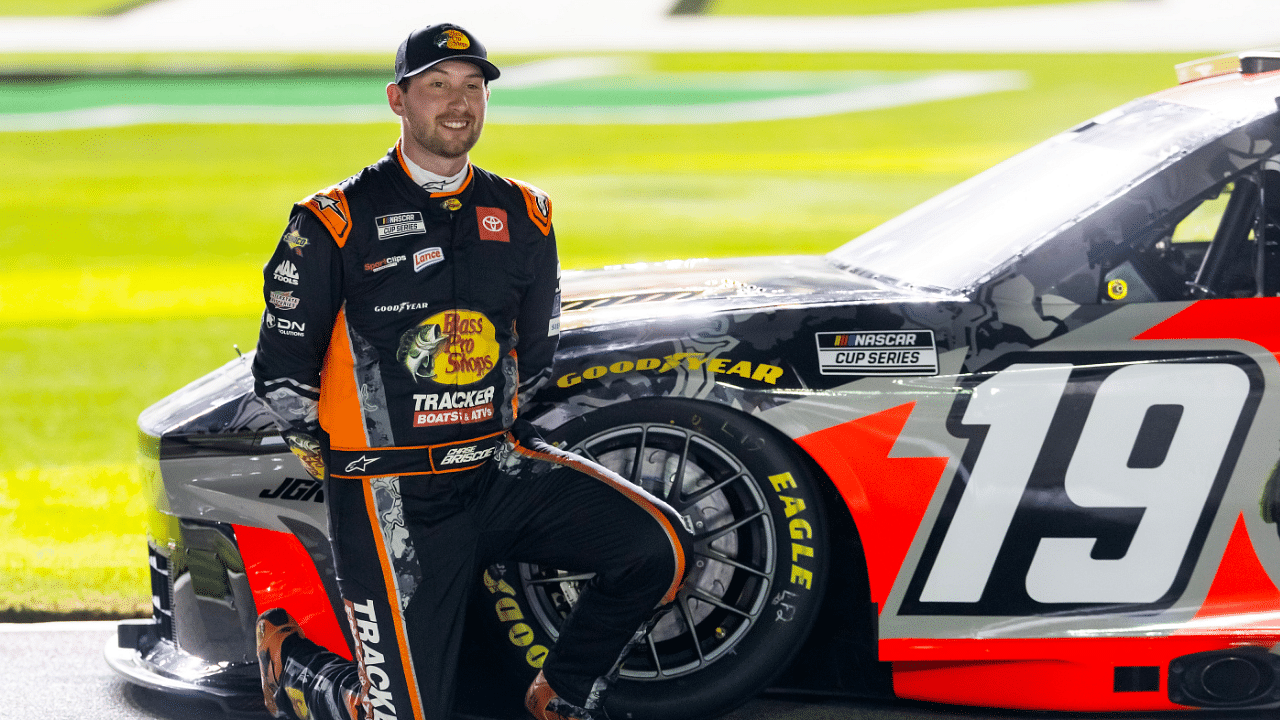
(877, 352)
(408, 223)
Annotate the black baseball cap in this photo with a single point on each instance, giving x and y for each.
(437, 43)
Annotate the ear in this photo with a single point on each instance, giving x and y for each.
(395, 98)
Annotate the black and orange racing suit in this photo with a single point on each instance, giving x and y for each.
(401, 329)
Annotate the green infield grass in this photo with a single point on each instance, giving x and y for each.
(132, 255)
(45, 8)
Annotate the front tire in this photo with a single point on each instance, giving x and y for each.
(758, 565)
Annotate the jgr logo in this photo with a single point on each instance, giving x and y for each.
(300, 489)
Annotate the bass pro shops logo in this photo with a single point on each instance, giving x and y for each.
(455, 347)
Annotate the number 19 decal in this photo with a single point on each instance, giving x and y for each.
(1086, 482)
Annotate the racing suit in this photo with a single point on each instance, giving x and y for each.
(402, 328)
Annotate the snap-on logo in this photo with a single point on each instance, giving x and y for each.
(493, 224)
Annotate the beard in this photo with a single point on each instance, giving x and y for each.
(430, 139)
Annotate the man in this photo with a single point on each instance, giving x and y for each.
(410, 309)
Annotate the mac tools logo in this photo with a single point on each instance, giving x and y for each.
(286, 272)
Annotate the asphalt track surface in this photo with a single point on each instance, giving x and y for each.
(55, 671)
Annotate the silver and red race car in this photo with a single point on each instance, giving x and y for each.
(1014, 448)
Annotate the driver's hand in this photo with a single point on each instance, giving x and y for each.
(307, 448)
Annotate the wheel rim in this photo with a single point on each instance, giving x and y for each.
(733, 553)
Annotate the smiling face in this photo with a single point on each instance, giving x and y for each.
(441, 114)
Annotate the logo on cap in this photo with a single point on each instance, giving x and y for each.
(453, 40)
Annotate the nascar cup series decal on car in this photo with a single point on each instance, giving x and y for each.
(455, 347)
(286, 272)
(284, 299)
(450, 408)
(426, 257)
(409, 223)
(877, 352)
(384, 263)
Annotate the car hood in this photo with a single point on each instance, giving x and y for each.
(651, 291)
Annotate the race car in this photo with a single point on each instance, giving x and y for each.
(1015, 448)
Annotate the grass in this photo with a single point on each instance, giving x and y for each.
(132, 256)
(45, 8)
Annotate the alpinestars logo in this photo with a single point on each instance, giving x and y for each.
(362, 463)
(468, 454)
(286, 272)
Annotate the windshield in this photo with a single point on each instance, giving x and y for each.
(962, 235)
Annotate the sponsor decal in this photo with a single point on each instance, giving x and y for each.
(300, 489)
(376, 685)
(453, 408)
(426, 257)
(553, 327)
(493, 224)
(286, 327)
(759, 372)
(286, 272)
(408, 223)
(453, 40)
(799, 527)
(877, 352)
(452, 204)
(361, 463)
(402, 307)
(1117, 289)
(508, 610)
(468, 454)
(284, 299)
(295, 241)
(455, 347)
(385, 263)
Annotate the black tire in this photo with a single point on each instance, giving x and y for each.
(753, 592)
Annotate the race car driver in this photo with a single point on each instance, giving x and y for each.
(410, 308)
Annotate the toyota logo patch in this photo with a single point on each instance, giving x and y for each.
(492, 224)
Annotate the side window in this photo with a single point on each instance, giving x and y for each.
(1207, 248)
